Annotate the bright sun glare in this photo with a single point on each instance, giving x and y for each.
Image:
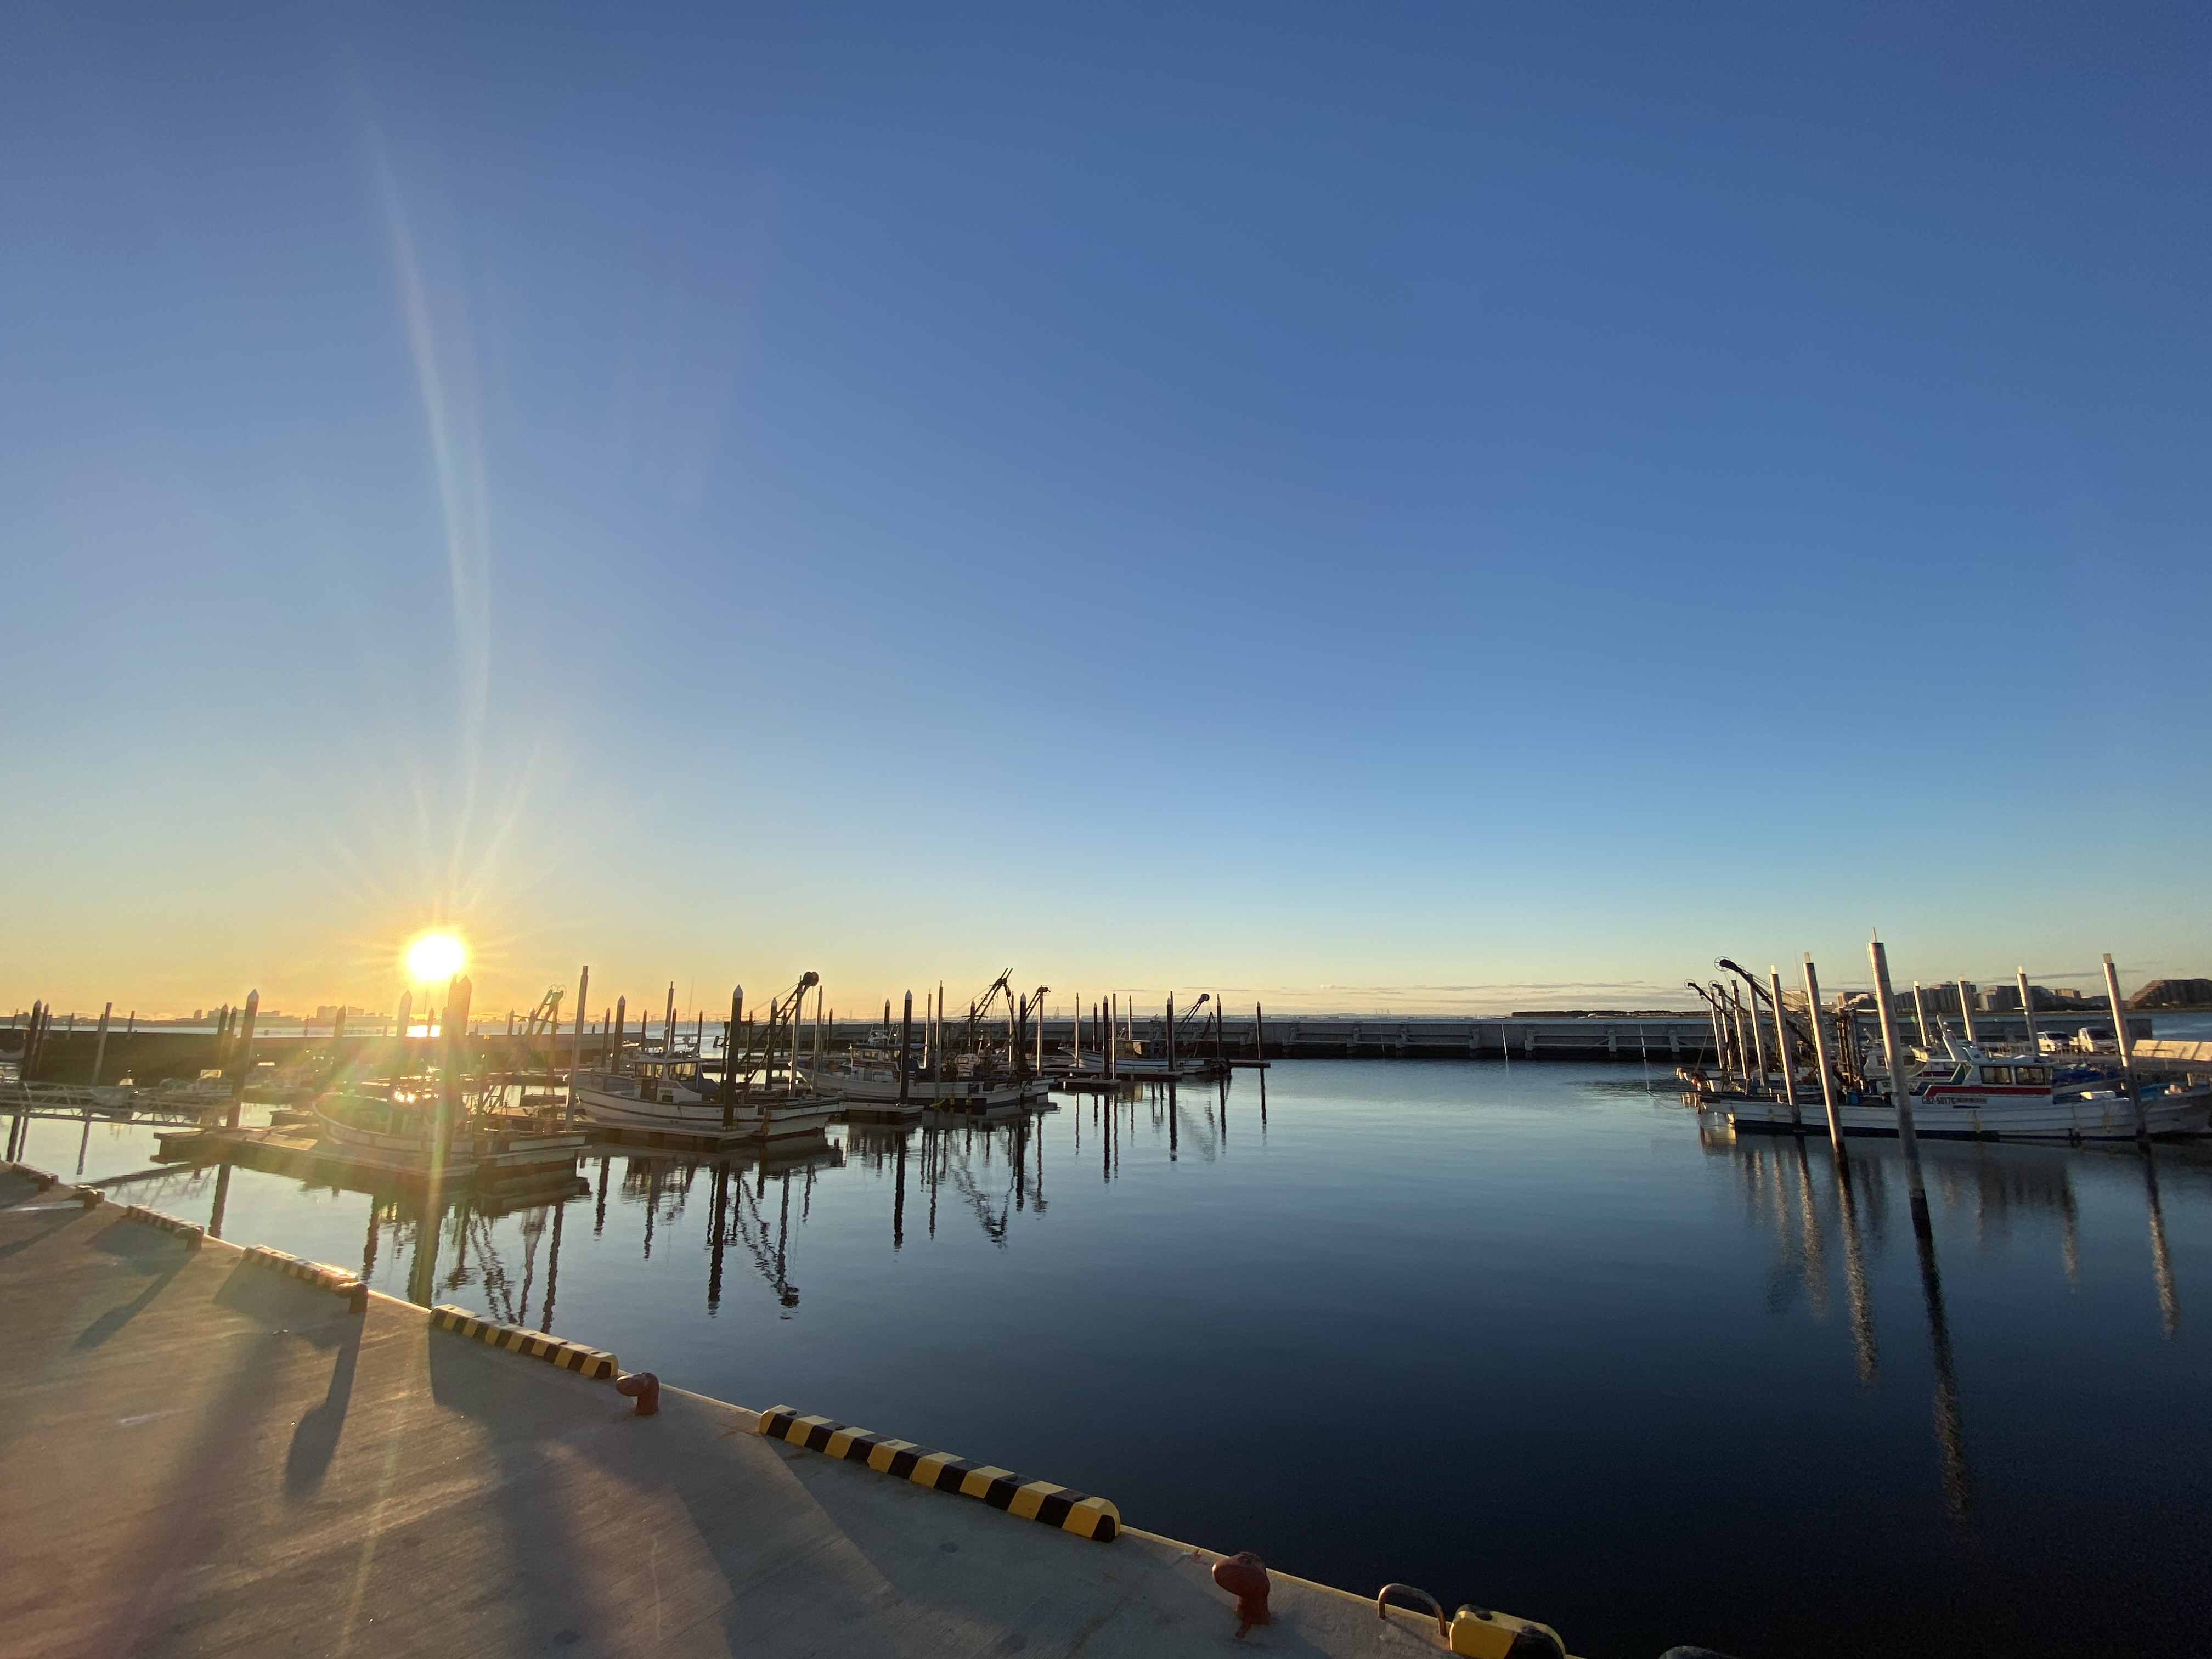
(435, 956)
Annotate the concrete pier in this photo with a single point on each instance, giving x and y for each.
(206, 1457)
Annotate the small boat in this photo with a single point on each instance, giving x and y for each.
(868, 1079)
(675, 1092)
(398, 1130)
(1967, 1094)
(208, 1091)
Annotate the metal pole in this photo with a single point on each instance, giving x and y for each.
(575, 1048)
(1259, 1035)
(2127, 1047)
(1900, 1082)
(1820, 1055)
(730, 1054)
(906, 1040)
(1920, 1017)
(100, 1050)
(1171, 1034)
(1967, 1008)
(668, 1029)
(245, 1055)
(1782, 1044)
(2028, 1014)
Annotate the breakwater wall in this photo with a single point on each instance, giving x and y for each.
(149, 1057)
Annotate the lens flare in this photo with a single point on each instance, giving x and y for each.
(435, 956)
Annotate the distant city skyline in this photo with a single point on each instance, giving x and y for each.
(1408, 508)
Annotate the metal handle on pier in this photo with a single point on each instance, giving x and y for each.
(1444, 1625)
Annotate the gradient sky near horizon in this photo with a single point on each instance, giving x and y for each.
(1416, 505)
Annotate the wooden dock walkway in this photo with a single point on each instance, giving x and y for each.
(206, 1457)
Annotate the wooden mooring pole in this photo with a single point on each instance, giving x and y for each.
(99, 1050)
(1820, 1055)
(2028, 1017)
(1900, 1078)
(576, 1048)
(245, 1056)
(1781, 1045)
(2127, 1046)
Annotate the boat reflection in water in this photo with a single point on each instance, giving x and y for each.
(1802, 1193)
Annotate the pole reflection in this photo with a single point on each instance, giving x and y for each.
(2161, 1264)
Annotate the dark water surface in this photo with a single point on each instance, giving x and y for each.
(1527, 1336)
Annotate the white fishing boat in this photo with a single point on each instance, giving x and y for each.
(870, 1082)
(1964, 1093)
(398, 1129)
(676, 1094)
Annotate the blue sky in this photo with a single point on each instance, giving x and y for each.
(1368, 506)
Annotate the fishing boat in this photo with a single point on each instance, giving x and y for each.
(674, 1090)
(1966, 1093)
(868, 1079)
(398, 1129)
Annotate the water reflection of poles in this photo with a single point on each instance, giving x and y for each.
(553, 1265)
(600, 1216)
(2161, 1265)
(1816, 1264)
(1950, 1432)
(2069, 1239)
(1855, 1278)
(783, 1290)
(716, 1234)
(422, 1270)
(898, 1198)
(221, 1198)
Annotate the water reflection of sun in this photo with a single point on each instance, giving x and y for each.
(435, 956)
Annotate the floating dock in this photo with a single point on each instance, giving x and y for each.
(209, 1452)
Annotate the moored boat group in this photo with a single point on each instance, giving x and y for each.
(1791, 1063)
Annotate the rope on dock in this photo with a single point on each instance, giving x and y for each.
(316, 1274)
(1002, 1489)
(535, 1344)
(193, 1236)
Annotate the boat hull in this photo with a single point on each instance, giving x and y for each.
(880, 1094)
(689, 1112)
(2096, 1117)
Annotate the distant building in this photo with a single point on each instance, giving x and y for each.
(2173, 993)
(2005, 1000)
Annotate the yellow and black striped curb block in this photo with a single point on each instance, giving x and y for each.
(347, 1284)
(24, 1171)
(168, 1224)
(1071, 1511)
(555, 1350)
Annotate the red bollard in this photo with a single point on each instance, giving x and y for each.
(645, 1388)
(1245, 1576)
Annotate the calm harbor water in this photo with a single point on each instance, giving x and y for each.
(1529, 1335)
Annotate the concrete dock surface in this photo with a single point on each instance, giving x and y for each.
(205, 1457)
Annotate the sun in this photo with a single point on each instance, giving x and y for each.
(434, 957)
